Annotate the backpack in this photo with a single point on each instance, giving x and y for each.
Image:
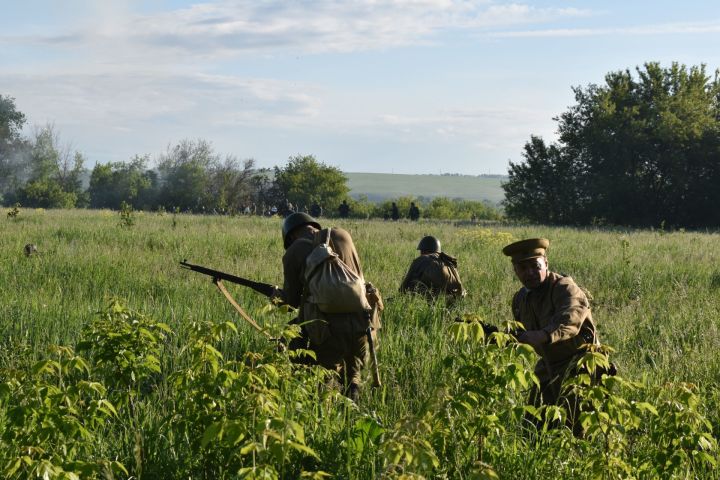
(331, 284)
(454, 285)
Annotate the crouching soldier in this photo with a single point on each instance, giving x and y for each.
(336, 329)
(557, 319)
(433, 273)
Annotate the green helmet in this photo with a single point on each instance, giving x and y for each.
(429, 244)
(295, 220)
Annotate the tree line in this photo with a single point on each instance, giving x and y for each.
(39, 171)
(639, 150)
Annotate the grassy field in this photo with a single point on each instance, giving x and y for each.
(655, 301)
(381, 186)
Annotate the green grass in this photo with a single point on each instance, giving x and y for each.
(655, 301)
(382, 186)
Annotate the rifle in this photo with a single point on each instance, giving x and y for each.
(263, 288)
(217, 278)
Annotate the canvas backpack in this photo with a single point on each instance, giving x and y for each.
(453, 284)
(331, 284)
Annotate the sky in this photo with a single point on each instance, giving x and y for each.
(403, 86)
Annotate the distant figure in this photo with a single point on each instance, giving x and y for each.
(344, 209)
(273, 210)
(414, 212)
(30, 249)
(395, 213)
(315, 210)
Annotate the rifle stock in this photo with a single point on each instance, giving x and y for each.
(263, 288)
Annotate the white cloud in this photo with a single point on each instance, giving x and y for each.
(227, 28)
(486, 128)
(641, 30)
(128, 101)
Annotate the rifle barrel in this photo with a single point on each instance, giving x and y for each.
(263, 288)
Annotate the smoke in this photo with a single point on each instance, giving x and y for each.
(15, 166)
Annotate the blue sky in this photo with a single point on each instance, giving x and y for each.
(404, 86)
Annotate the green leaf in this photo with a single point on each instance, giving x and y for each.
(303, 448)
(234, 432)
(11, 469)
(645, 406)
(45, 366)
(250, 447)
(212, 432)
(118, 468)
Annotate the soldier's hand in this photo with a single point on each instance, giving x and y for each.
(277, 295)
(534, 338)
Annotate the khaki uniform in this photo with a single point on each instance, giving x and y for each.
(560, 308)
(433, 274)
(338, 340)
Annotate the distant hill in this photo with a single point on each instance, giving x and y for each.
(381, 186)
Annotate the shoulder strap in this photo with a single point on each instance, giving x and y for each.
(552, 288)
(327, 236)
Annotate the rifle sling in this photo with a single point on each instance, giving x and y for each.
(243, 314)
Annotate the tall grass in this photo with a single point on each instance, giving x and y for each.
(655, 300)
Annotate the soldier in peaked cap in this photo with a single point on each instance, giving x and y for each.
(556, 315)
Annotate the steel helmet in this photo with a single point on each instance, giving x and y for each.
(295, 220)
(429, 244)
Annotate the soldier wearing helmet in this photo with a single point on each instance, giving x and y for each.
(433, 273)
(338, 339)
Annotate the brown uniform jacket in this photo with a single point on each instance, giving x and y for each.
(560, 308)
(433, 275)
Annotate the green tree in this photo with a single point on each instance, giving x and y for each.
(460, 209)
(304, 181)
(185, 174)
(543, 188)
(55, 173)
(638, 150)
(12, 146)
(131, 182)
(231, 184)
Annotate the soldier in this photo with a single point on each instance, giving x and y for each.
(414, 212)
(315, 210)
(394, 212)
(556, 315)
(339, 340)
(344, 209)
(433, 273)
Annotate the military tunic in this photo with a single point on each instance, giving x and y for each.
(433, 275)
(339, 340)
(561, 309)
